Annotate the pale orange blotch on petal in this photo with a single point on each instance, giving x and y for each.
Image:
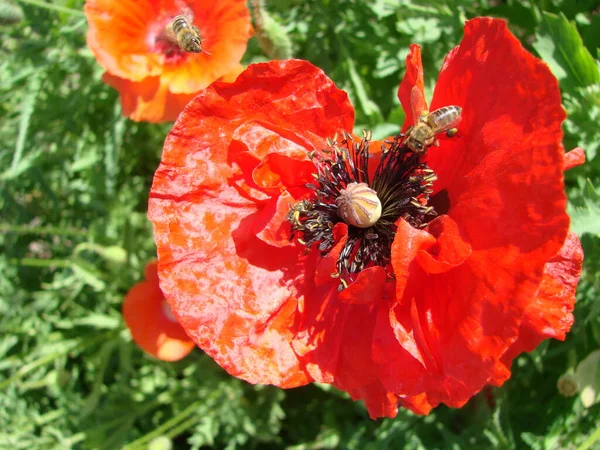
(152, 324)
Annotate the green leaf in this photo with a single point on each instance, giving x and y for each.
(560, 45)
(586, 218)
(27, 107)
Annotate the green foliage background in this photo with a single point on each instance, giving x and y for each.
(74, 181)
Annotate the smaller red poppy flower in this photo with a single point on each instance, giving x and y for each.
(151, 322)
(155, 77)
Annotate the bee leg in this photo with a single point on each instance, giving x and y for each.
(436, 142)
(452, 132)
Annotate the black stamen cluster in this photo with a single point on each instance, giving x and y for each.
(402, 183)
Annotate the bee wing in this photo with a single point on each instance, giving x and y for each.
(418, 103)
(449, 125)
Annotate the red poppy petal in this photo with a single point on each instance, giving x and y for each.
(450, 249)
(276, 169)
(514, 125)
(148, 100)
(574, 158)
(151, 272)
(407, 244)
(117, 35)
(549, 315)
(417, 404)
(327, 265)
(367, 288)
(152, 329)
(271, 225)
(334, 340)
(413, 78)
(506, 171)
(379, 401)
(235, 294)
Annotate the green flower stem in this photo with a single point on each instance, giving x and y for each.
(41, 4)
(182, 427)
(175, 423)
(36, 262)
(590, 441)
(54, 231)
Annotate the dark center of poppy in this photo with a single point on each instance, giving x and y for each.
(345, 192)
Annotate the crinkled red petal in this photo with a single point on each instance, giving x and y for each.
(550, 314)
(450, 249)
(413, 79)
(223, 267)
(503, 178)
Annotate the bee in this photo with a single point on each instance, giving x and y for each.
(186, 35)
(421, 136)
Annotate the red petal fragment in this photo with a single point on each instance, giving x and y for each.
(379, 401)
(550, 314)
(395, 349)
(152, 326)
(367, 288)
(270, 223)
(450, 249)
(574, 158)
(318, 340)
(417, 404)
(276, 170)
(151, 272)
(148, 100)
(412, 99)
(407, 243)
(327, 266)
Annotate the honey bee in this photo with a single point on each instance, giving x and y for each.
(421, 136)
(186, 35)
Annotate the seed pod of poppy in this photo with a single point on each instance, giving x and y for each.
(359, 205)
(568, 385)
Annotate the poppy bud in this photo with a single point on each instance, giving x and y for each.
(568, 385)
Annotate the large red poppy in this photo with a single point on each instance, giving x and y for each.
(154, 76)
(416, 310)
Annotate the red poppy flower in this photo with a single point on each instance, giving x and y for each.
(151, 322)
(469, 263)
(154, 76)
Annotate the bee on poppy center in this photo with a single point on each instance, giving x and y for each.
(187, 35)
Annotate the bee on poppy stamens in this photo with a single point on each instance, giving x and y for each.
(421, 136)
